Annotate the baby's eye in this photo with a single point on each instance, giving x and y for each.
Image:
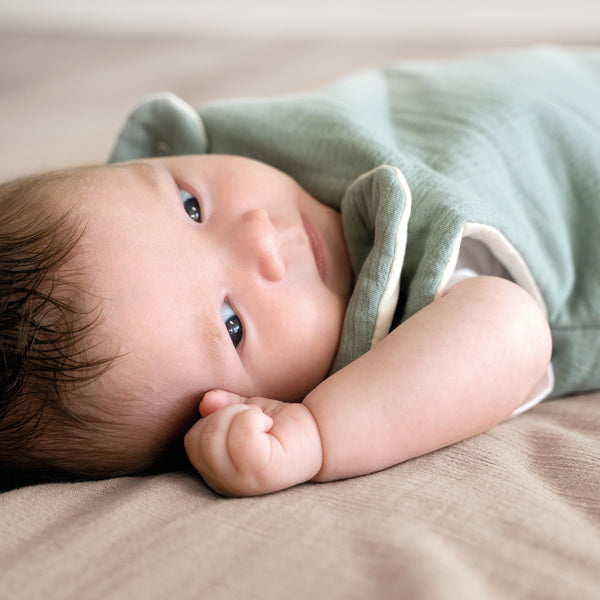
(191, 205)
(233, 324)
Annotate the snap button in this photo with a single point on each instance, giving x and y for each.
(162, 148)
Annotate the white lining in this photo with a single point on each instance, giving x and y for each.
(508, 256)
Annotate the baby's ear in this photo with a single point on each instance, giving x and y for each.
(216, 399)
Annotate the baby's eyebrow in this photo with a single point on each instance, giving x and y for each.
(148, 174)
(152, 177)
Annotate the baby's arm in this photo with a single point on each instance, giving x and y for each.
(456, 368)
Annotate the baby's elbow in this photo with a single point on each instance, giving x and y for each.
(520, 320)
(527, 326)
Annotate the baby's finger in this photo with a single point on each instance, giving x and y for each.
(206, 442)
(248, 447)
(267, 405)
(216, 399)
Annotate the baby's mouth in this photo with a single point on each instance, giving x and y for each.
(317, 245)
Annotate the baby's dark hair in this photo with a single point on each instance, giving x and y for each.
(45, 357)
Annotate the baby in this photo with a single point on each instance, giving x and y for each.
(212, 298)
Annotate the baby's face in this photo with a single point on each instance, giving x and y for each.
(211, 272)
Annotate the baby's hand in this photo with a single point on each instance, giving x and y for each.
(251, 446)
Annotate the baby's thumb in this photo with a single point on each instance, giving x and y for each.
(216, 399)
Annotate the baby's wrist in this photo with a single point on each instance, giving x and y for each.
(313, 448)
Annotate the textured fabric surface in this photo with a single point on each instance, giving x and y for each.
(513, 513)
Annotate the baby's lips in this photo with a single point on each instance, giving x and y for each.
(317, 246)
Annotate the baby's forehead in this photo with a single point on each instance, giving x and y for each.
(63, 189)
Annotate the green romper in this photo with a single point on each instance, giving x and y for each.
(418, 156)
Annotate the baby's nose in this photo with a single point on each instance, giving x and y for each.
(258, 243)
